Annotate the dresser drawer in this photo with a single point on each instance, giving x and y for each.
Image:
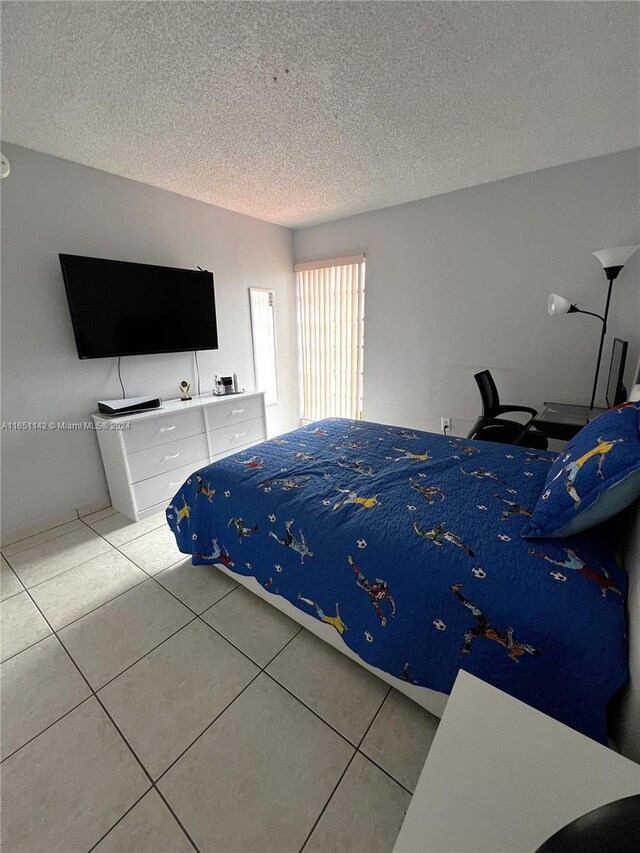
(234, 411)
(165, 457)
(162, 488)
(231, 438)
(163, 429)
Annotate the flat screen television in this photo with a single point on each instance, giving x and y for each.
(119, 308)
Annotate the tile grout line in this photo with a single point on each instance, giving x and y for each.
(331, 795)
(102, 604)
(46, 728)
(368, 758)
(116, 727)
(200, 615)
(344, 772)
(180, 601)
(268, 674)
(374, 718)
(79, 565)
(30, 646)
(207, 727)
(130, 809)
(386, 772)
(251, 660)
(169, 808)
(257, 675)
(78, 517)
(211, 606)
(94, 693)
(315, 713)
(54, 633)
(133, 538)
(144, 769)
(196, 615)
(44, 542)
(261, 670)
(13, 594)
(148, 577)
(64, 571)
(93, 610)
(152, 576)
(142, 657)
(48, 541)
(13, 572)
(175, 817)
(113, 598)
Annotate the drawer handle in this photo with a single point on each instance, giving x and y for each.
(237, 411)
(239, 434)
(167, 429)
(174, 456)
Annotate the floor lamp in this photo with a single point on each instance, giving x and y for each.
(612, 260)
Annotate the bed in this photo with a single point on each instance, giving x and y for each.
(403, 549)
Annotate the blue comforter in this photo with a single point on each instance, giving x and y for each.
(408, 544)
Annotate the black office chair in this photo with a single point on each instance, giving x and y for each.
(491, 427)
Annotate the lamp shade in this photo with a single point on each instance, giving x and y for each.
(616, 257)
(558, 304)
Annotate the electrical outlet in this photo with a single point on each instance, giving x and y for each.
(445, 425)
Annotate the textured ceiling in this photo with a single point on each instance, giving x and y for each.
(303, 112)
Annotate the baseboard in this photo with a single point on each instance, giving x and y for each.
(49, 523)
(96, 506)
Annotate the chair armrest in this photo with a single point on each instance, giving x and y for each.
(502, 422)
(528, 409)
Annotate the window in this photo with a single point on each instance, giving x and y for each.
(331, 328)
(263, 329)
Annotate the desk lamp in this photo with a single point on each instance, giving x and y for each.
(612, 260)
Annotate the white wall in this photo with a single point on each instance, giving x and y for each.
(455, 283)
(459, 282)
(50, 206)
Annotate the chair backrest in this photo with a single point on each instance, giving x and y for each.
(488, 392)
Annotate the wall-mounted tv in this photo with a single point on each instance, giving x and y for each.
(119, 308)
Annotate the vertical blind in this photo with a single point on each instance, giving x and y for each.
(263, 328)
(331, 328)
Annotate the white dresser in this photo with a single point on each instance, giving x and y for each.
(146, 457)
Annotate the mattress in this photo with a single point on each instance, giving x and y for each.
(408, 545)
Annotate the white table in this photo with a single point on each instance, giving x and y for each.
(501, 777)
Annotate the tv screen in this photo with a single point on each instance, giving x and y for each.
(119, 308)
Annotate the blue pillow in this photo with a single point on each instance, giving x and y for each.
(596, 476)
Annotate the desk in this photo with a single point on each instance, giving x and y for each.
(501, 776)
(563, 420)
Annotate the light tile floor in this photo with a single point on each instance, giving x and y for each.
(150, 706)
